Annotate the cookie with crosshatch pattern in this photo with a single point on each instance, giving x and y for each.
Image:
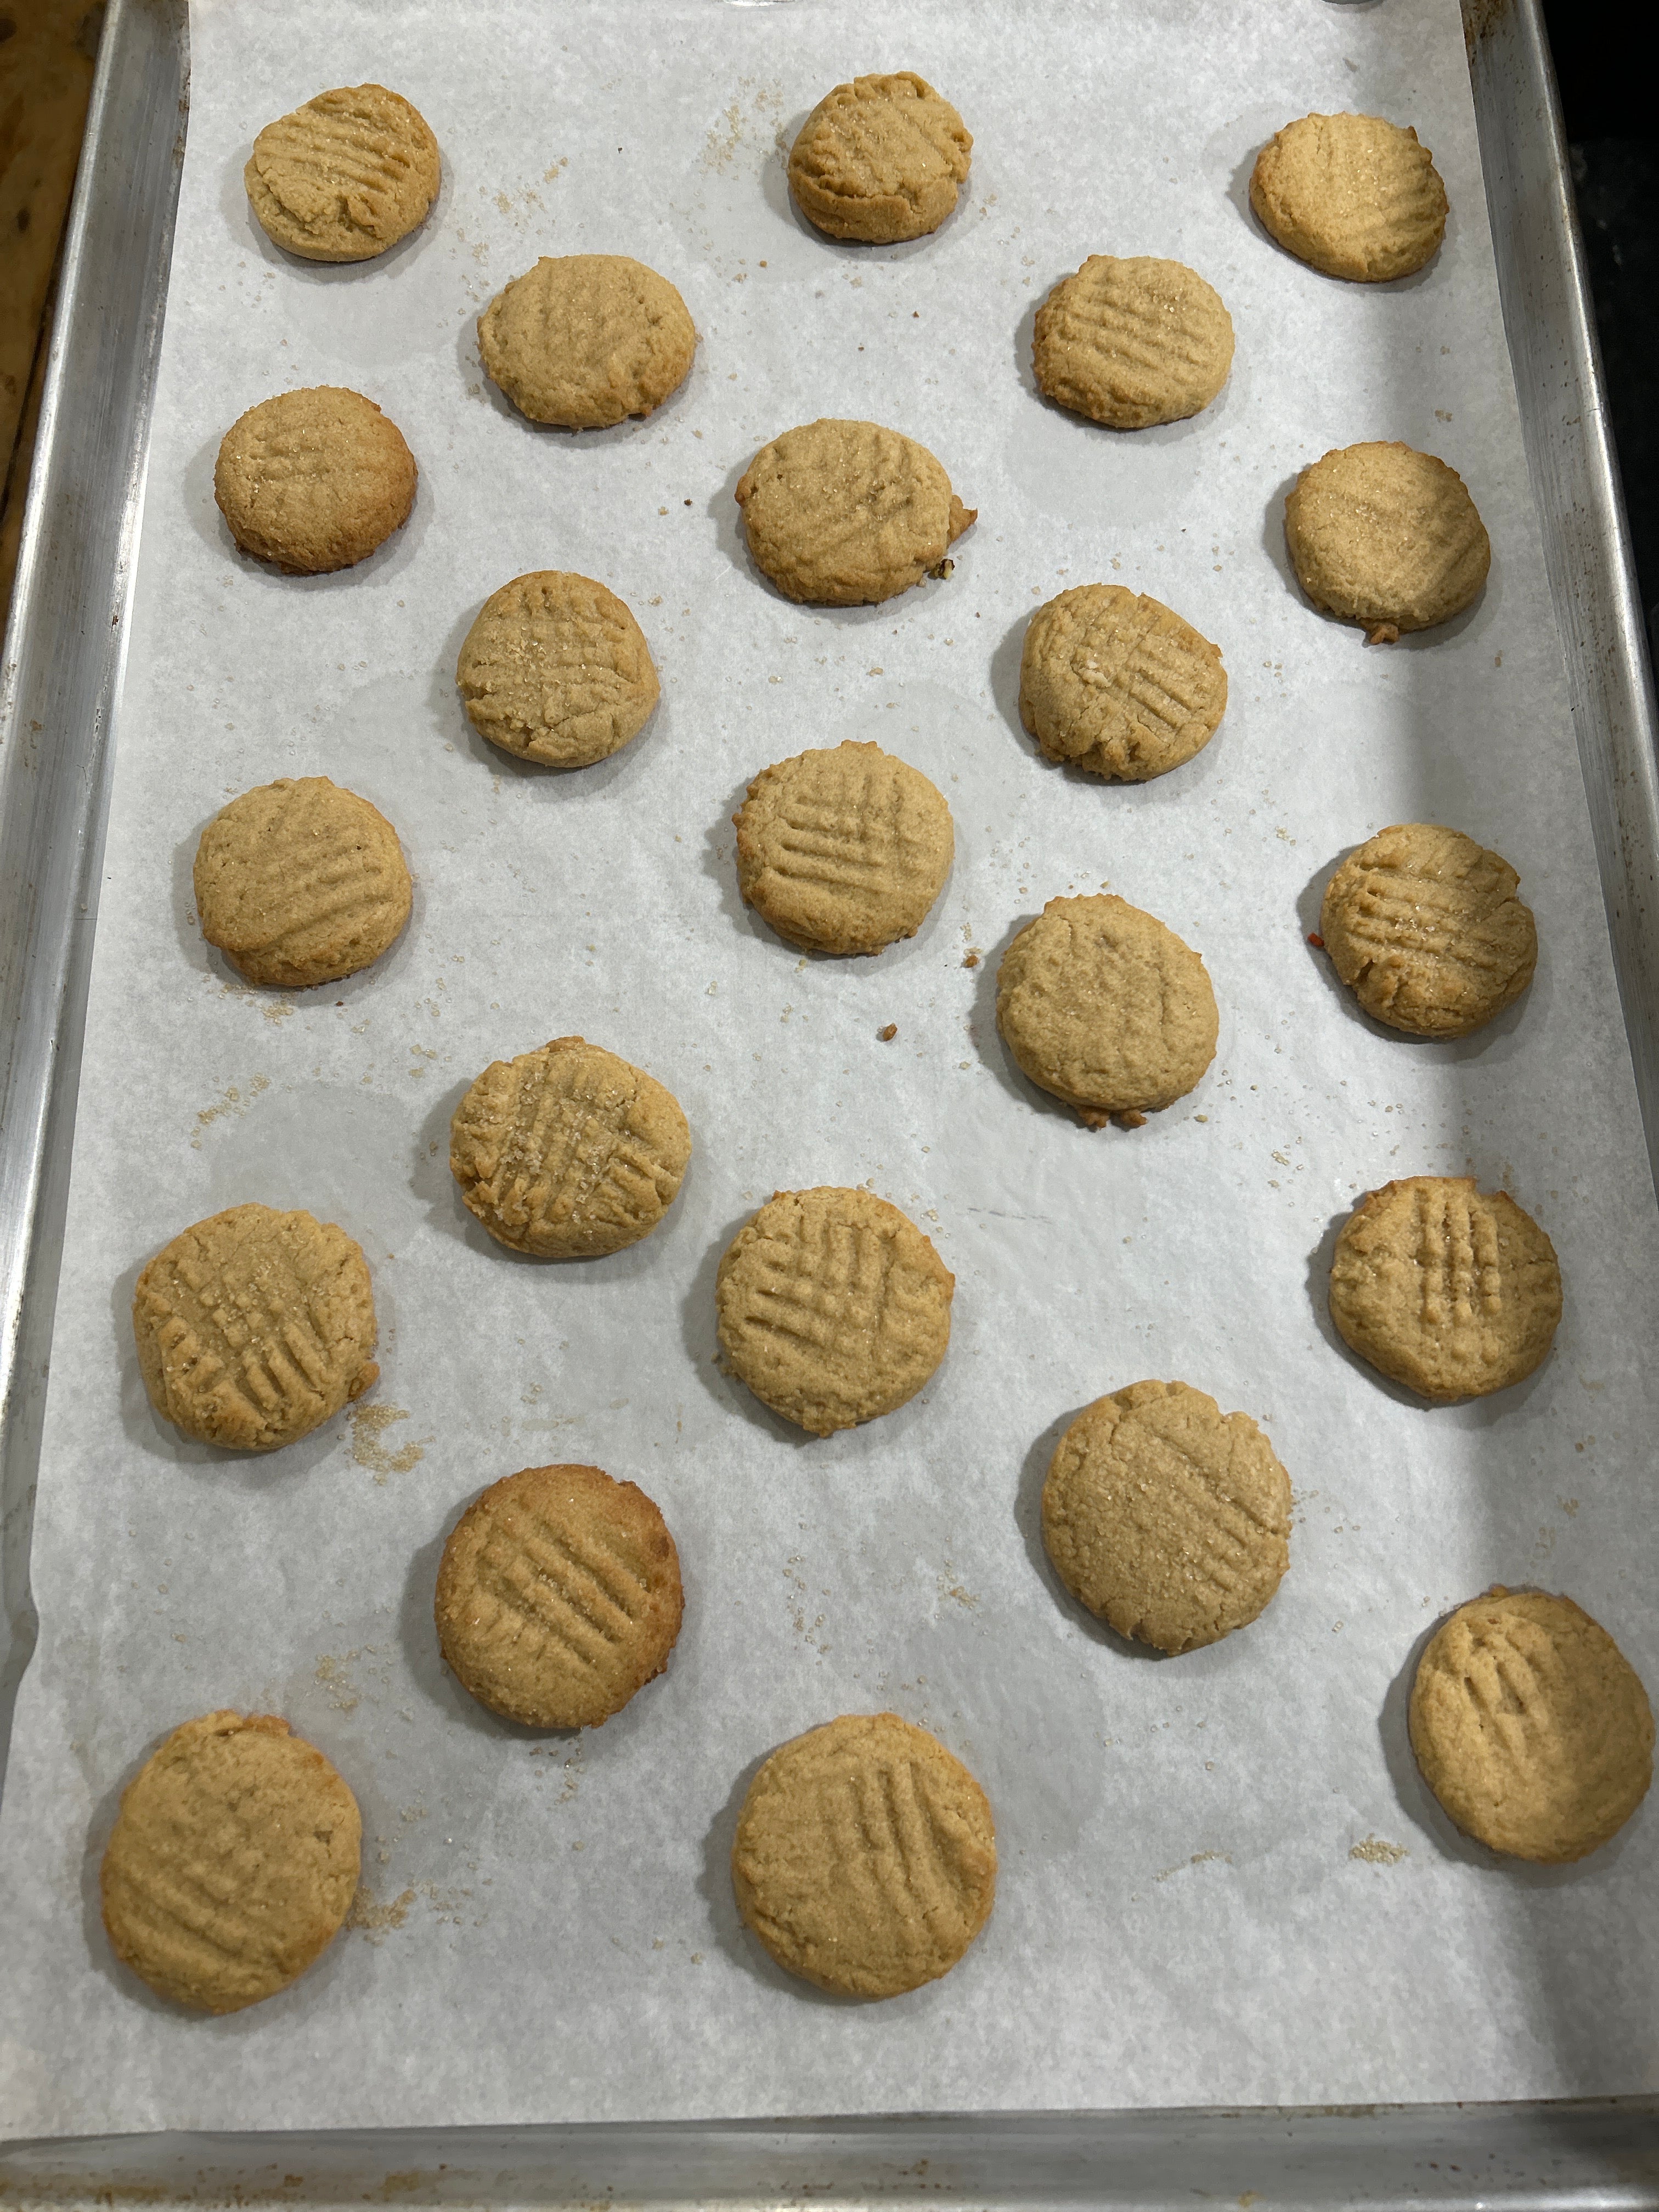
(1352, 195)
(232, 1862)
(1424, 927)
(315, 480)
(844, 849)
(1450, 1290)
(880, 159)
(1168, 1518)
(1382, 535)
(558, 1596)
(1132, 342)
(554, 668)
(255, 1327)
(568, 1152)
(585, 340)
(1118, 684)
(298, 881)
(843, 514)
(833, 1307)
(1530, 1726)
(865, 1857)
(344, 177)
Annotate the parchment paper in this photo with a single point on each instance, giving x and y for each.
(1222, 1882)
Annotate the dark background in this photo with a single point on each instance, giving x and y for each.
(1613, 119)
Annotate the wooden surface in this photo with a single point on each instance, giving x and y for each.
(46, 54)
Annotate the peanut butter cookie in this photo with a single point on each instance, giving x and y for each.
(255, 1327)
(344, 177)
(232, 1862)
(1119, 685)
(843, 850)
(586, 340)
(1531, 1727)
(558, 1596)
(1130, 342)
(1424, 927)
(1352, 195)
(1102, 1006)
(556, 668)
(1386, 537)
(313, 480)
(1166, 1518)
(845, 514)
(1452, 1292)
(568, 1152)
(880, 159)
(833, 1308)
(865, 1857)
(298, 882)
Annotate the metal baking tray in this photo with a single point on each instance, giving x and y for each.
(61, 676)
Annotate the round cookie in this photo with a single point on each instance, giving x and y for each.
(344, 177)
(555, 669)
(1105, 1007)
(1168, 1519)
(1352, 195)
(880, 159)
(1424, 925)
(843, 850)
(833, 1307)
(1130, 342)
(1386, 537)
(255, 1327)
(313, 480)
(568, 1152)
(558, 1596)
(1452, 1292)
(586, 340)
(232, 1862)
(865, 1857)
(845, 514)
(298, 882)
(1119, 685)
(1531, 1727)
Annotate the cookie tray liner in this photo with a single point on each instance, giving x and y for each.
(1222, 1882)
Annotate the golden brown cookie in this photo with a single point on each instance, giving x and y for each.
(843, 850)
(313, 480)
(833, 1307)
(865, 1857)
(568, 1152)
(1132, 343)
(555, 669)
(845, 514)
(1102, 1006)
(586, 340)
(1166, 1518)
(255, 1327)
(344, 177)
(880, 159)
(1117, 684)
(1531, 1727)
(1386, 537)
(1424, 927)
(1352, 195)
(232, 1862)
(558, 1596)
(298, 882)
(1452, 1292)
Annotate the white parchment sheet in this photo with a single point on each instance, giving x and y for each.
(1222, 1882)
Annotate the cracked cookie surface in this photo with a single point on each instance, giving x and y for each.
(554, 668)
(344, 177)
(1118, 684)
(880, 159)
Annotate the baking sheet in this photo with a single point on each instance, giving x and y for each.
(1181, 1916)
